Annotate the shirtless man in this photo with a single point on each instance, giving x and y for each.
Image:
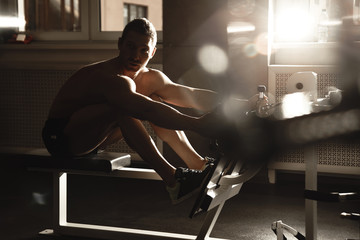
(104, 102)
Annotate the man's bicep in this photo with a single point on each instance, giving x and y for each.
(166, 89)
(197, 98)
(177, 94)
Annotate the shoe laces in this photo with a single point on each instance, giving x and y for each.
(183, 173)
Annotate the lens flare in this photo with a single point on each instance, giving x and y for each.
(213, 59)
(234, 107)
(40, 198)
(261, 44)
(250, 50)
(241, 8)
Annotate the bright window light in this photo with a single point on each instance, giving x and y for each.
(10, 22)
(237, 27)
(294, 25)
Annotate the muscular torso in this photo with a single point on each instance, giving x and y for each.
(84, 88)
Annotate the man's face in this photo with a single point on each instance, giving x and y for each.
(135, 51)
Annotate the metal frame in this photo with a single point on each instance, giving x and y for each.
(61, 226)
(279, 228)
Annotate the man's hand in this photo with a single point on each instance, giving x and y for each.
(218, 123)
(210, 125)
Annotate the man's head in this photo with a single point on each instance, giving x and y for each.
(137, 44)
(142, 26)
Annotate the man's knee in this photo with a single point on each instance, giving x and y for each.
(128, 123)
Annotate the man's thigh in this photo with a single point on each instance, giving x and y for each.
(89, 127)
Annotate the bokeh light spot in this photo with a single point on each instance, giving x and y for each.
(250, 50)
(213, 59)
(261, 43)
(241, 8)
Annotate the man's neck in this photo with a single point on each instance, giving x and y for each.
(128, 73)
(131, 74)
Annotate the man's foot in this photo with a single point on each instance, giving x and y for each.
(208, 162)
(188, 181)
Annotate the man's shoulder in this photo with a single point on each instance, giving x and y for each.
(101, 69)
(96, 65)
(152, 71)
(155, 74)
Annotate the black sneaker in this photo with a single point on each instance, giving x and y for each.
(188, 181)
(209, 162)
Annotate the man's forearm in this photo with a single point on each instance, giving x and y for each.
(205, 100)
(208, 100)
(171, 118)
(168, 117)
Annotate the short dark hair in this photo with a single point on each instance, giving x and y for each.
(142, 26)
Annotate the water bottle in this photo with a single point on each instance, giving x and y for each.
(262, 104)
(323, 31)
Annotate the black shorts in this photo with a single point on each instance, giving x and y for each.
(54, 138)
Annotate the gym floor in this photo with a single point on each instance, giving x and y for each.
(26, 206)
